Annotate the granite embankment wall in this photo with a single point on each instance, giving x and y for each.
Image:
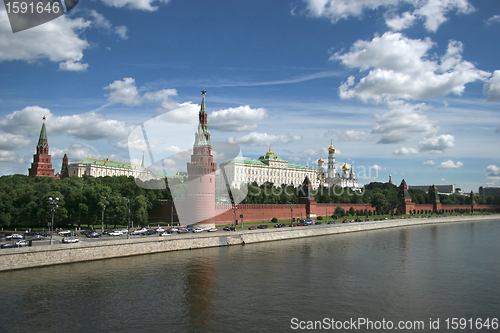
(27, 257)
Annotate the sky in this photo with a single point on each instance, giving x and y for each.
(408, 88)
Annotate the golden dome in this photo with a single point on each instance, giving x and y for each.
(270, 152)
(331, 149)
(321, 160)
(345, 167)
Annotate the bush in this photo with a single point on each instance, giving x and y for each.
(319, 218)
(274, 220)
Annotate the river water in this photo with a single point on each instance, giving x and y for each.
(413, 274)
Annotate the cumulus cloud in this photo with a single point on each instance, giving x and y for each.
(492, 171)
(242, 118)
(57, 41)
(493, 19)
(10, 141)
(429, 162)
(377, 167)
(8, 156)
(436, 144)
(88, 126)
(400, 68)
(405, 151)
(256, 139)
(185, 113)
(450, 165)
(492, 87)
(125, 92)
(135, 4)
(432, 12)
(404, 122)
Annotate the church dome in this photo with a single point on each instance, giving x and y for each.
(345, 167)
(321, 160)
(331, 149)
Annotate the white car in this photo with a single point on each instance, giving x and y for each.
(64, 233)
(115, 233)
(139, 231)
(160, 230)
(70, 240)
(21, 243)
(174, 229)
(198, 230)
(165, 234)
(14, 236)
(206, 229)
(212, 230)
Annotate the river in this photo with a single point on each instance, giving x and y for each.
(415, 275)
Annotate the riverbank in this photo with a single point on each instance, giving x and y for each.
(27, 257)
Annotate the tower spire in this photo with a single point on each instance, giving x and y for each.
(42, 140)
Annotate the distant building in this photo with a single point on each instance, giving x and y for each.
(489, 191)
(102, 168)
(268, 168)
(41, 165)
(330, 177)
(442, 189)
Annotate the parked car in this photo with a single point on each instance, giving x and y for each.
(198, 230)
(331, 222)
(64, 233)
(228, 228)
(262, 226)
(160, 230)
(279, 225)
(149, 232)
(21, 242)
(37, 237)
(70, 240)
(115, 233)
(8, 245)
(165, 234)
(212, 230)
(182, 231)
(95, 234)
(300, 224)
(139, 231)
(318, 222)
(252, 228)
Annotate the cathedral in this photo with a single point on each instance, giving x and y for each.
(330, 177)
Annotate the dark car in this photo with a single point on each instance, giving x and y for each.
(229, 228)
(149, 232)
(37, 237)
(279, 225)
(9, 245)
(44, 234)
(331, 222)
(183, 231)
(263, 226)
(318, 222)
(94, 234)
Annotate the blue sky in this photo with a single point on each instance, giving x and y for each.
(409, 88)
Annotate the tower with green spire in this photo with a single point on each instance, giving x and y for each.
(41, 165)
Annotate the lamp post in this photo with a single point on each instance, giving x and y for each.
(235, 219)
(291, 215)
(128, 226)
(102, 219)
(53, 207)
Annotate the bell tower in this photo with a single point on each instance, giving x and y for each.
(41, 165)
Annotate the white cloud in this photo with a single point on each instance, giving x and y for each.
(377, 167)
(433, 12)
(493, 19)
(492, 87)
(185, 113)
(10, 141)
(124, 92)
(134, 4)
(57, 40)
(492, 171)
(405, 151)
(350, 135)
(436, 144)
(450, 165)
(89, 126)
(429, 162)
(256, 139)
(399, 68)
(104, 24)
(404, 122)
(242, 118)
(8, 156)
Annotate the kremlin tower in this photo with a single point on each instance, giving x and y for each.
(41, 165)
(201, 176)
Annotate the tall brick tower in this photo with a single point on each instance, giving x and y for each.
(41, 165)
(407, 205)
(201, 176)
(64, 167)
(434, 198)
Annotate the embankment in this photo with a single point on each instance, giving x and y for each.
(35, 256)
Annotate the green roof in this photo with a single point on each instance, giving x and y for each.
(91, 161)
(42, 140)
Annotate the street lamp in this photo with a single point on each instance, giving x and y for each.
(235, 219)
(291, 215)
(102, 219)
(128, 226)
(53, 207)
